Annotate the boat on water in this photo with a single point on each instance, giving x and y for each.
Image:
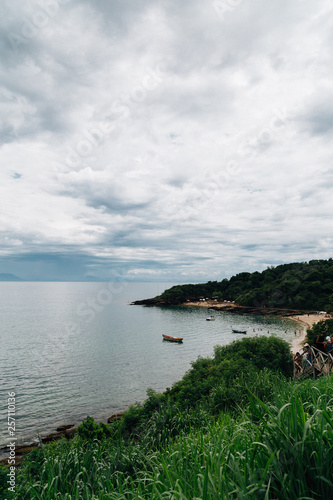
(211, 318)
(239, 331)
(172, 339)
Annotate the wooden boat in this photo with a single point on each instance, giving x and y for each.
(239, 331)
(211, 318)
(172, 339)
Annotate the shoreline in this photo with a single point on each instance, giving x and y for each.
(67, 431)
(306, 320)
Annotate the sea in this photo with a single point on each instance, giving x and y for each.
(69, 350)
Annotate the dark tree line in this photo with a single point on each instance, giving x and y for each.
(300, 285)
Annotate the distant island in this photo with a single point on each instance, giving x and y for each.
(297, 286)
(9, 277)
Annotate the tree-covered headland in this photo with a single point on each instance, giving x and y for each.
(300, 285)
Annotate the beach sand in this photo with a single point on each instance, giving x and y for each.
(306, 321)
(209, 303)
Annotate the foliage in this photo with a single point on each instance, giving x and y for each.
(34, 462)
(162, 447)
(260, 352)
(220, 374)
(304, 285)
(244, 356)
(322, 326)
(280, 445)
(4, 492)
(139, 413)
(90, 430)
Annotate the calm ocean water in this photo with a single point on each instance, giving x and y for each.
(69, 350)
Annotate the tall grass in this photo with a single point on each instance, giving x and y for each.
(279, 450)
(277, 445)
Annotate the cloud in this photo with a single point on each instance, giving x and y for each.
(164, 139)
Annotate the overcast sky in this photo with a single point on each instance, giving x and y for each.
(164, 140)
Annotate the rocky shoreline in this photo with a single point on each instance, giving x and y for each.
(63, 431)
(69, 431)
(227, 307)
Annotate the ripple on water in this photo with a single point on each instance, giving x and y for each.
(63, 366)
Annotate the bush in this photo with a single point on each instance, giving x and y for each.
(89, 430)
(234, 396)
(33, 462)
(260, 352)
(244, 356)
(321, 326)
(132, 418)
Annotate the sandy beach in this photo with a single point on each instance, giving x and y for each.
(306, 321)
(209, 303)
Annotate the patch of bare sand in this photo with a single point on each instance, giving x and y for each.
(209, 303)
(307, 321)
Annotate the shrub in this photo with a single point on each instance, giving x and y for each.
(33, 462)
(321, 326)
(90, 430)
(260, 352)
(244, 356)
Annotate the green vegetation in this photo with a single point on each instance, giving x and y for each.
(301, 285)
(322, 326)
(236, 426)
(89, 430)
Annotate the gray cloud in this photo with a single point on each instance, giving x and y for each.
(163, 138)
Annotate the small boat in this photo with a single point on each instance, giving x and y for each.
(239, 331)
(172, 339)
(211, 318)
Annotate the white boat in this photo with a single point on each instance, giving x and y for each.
(211, 318)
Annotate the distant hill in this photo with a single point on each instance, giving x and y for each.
(91, 277)
(9, 277)
(300, 285)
